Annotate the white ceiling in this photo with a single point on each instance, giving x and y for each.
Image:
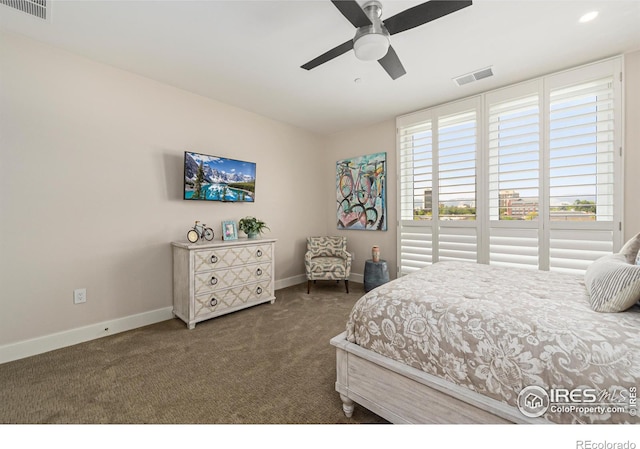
(248, 53)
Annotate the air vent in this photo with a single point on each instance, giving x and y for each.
(475, 76)
(36, 8)
(465, 79)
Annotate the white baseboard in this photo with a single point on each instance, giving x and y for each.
(288, 282)
(299, 279)
(46, 343)
(27, 348)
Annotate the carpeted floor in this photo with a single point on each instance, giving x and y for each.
(271, 363)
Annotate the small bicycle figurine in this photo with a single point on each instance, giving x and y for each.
(199, 232)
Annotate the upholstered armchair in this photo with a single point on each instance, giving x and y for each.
(327, 259)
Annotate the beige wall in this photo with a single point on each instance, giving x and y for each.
(90, 187)
(374, 139)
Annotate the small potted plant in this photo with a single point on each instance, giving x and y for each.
(252, 226)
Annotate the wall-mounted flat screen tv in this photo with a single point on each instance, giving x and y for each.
(214, 178)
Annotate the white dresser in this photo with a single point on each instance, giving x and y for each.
(214, 278)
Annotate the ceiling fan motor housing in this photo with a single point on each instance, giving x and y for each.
(371, 42)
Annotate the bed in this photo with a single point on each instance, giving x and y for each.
(462, 342)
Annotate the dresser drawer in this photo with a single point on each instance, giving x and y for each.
(231, 298)
(222, 279)
(214, 259)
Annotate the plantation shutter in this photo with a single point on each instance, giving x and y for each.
(437, 161)
(416, 195)
(514, 175)
(581, 173)
(457, 155)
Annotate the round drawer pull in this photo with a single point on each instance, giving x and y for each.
(259, 272)
(214, 259)
(214, 280)
(213, 302)
(259, 290)
(259, 253)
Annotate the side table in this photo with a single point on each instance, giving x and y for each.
(375, 274)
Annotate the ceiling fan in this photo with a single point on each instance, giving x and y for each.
(371, 41)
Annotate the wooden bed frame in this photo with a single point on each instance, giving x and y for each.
(403, 394)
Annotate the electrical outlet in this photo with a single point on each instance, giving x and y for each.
(79, 295)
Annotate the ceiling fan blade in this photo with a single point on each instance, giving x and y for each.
(353, 12)
(391, 63)
(421, 14)
(328, 56)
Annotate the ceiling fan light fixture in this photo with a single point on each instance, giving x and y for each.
(371, 47)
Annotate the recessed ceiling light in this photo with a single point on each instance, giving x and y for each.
(588, 17)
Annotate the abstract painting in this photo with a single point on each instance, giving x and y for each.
(361, 192)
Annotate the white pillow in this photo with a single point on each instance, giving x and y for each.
(613, 283)
(638, 258)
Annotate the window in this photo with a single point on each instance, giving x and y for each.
(527, 175)
(582, 152)
(514, 159)
(437, 161)
(514, 190)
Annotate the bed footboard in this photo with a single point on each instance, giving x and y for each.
(402, 394)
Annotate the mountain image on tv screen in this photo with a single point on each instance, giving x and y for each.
(212, 178)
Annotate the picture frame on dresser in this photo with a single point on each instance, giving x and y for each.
(229, 230)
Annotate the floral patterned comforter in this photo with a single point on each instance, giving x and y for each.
(498, 330)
